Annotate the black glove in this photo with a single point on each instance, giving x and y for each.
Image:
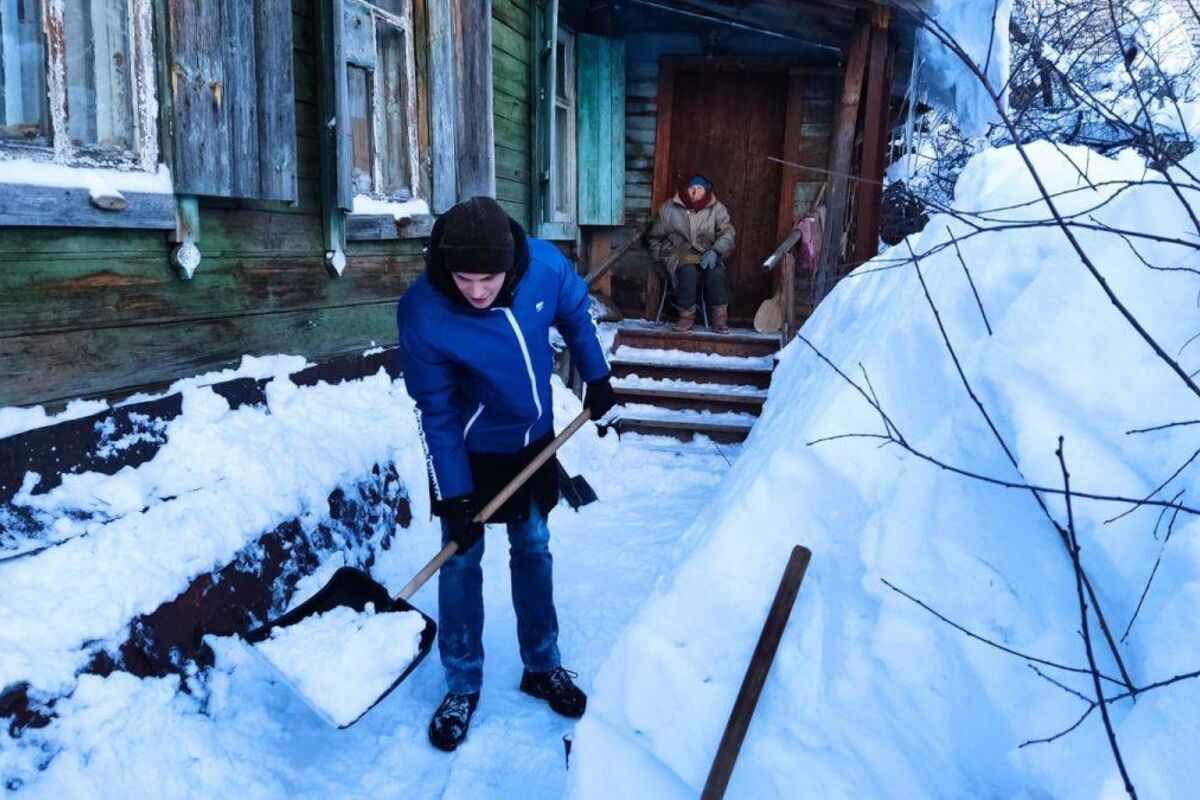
(458, 514)
(599, 398)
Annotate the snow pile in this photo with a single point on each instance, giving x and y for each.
(133, 540)
(15, 419)
(980, 28)
(239, 729)
(342, 661)
(871, 695)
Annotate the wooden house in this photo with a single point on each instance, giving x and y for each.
(186, 181)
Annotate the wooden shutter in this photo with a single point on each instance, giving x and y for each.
(233, 98)
(600, 129)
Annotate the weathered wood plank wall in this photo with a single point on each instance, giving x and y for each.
(511, 29)
(643, 53)
(101, 312)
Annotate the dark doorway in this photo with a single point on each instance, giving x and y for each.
(725, 124)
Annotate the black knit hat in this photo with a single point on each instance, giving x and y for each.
(476, 238)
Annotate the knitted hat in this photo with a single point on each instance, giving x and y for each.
(476, 238)
(701, 181)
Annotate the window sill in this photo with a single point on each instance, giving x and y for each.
(558, 231)
(40, 194)
(385, 227)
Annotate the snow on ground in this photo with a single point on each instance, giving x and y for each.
(238, 728)
(870, 695)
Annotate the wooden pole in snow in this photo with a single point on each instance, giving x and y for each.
(756, 674)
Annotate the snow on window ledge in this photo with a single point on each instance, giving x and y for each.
(28, 172)
(397, 210)
(46, 194)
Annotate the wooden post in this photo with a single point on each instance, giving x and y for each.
(756, 674)
(792, 139)
(844, 124)
(662, 170)
(870, 189)
(787, 275)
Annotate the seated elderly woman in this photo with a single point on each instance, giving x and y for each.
(690, 240)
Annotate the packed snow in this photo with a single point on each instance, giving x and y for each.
(651, 413)
(398, 210)
(98, 180)
(687, 387)
(238, 727)
(342, 661)
(872, 695)
(626, 354)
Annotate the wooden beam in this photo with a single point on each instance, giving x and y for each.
(756, 674)
(662, 169)
(841, 154)
(615, 256)
(870, 189)
(475, 125)
(792, 137)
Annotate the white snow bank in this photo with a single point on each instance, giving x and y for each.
(870, 695)
(17, 419)
(99, 180)
(365, 204)
(342, 661)
(229, 476)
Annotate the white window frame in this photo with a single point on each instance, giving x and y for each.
(144, 155)
(404, 23)
(564, 210)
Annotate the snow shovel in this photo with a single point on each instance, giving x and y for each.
(351, 588)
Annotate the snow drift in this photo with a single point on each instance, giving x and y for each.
(871, 695)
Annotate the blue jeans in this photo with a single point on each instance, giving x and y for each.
(460, 604)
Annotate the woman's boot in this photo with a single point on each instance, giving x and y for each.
(720, 319)
(687, 318)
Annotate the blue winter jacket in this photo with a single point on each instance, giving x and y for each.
(481, 378)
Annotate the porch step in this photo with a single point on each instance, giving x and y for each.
(688, 384)
(686, 395)
(684, 425)
(745, 344)
(757, 376)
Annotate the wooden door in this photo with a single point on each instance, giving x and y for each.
(725, 125)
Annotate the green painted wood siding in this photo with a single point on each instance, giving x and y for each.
(511, 105)
(600, 129)
(101, 312)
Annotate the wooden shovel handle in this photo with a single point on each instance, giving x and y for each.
(491, 508)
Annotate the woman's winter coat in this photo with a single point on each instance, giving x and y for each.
(678, 232)
(481, 378)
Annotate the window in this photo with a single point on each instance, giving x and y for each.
(554, 184)
(562, 173)
(380, 76)
(83, 98)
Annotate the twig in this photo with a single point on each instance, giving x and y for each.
(1085, 626)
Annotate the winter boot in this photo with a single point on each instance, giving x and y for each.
(556, 688)
(720, 319)
(687, 318)
(449, 725)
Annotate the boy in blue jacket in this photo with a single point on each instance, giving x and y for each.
(474, 338)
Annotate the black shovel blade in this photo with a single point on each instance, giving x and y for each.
(575, 490)
(354, 588)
